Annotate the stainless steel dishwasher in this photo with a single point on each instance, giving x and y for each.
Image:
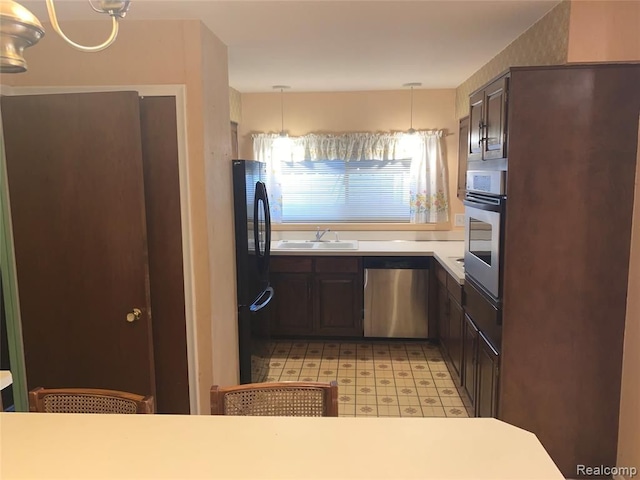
(396, 291)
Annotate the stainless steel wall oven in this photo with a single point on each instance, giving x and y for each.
(485, 204)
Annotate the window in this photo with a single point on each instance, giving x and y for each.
(355, 178)
(339, 191)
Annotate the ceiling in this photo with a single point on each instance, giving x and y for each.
(343, 45)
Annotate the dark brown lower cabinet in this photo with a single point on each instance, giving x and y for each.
(470, 359)
(487, 383)
(443, 319)
(338, 304)
(291, 310)
(316, 296)
(450, 321)
(456, 319)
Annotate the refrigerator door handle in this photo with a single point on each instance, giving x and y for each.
(262, 255)
(268, 293)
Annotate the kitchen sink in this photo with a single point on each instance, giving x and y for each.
(311, 245)
(337, 245)
(294, 245)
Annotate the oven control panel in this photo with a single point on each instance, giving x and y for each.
(486, 181)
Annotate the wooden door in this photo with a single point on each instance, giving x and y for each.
(75, 179)
(158, 125)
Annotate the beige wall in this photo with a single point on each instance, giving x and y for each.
(545, 43)
(167, 52)
(224, 326)
(339, 112)
(604, 31)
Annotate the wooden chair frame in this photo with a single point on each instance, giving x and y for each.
(330, 392)
(144, 404)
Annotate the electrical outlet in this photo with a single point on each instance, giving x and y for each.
(459, 220)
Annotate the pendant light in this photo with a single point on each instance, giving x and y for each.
(411, 85)
(20, 29)
(282, 88)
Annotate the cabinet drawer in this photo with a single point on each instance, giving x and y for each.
(455, 289)
(486, 317)
(441, 273)
(337, 264)
(291, 264)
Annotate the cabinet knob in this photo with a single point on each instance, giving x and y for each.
(134, 315)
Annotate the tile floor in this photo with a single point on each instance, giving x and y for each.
(384, 379)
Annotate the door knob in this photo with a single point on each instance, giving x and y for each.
(134, 315)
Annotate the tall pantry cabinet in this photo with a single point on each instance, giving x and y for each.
(572, 150)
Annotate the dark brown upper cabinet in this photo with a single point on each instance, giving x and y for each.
(488, 122)
(463, 141)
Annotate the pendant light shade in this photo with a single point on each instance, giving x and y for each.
(411, 85)
(19, 29)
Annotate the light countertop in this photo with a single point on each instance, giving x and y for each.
(444, 251)
(203, 446)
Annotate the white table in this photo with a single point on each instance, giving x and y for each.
(170, 446)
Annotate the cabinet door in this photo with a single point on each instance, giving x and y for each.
(338, 305)
(476, 126)
(495, 140)
(443, 318)
(463, 141)
(469, 359)
(456, 317)
(292, 306)
(487, 385)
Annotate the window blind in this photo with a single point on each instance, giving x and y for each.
(370, 191)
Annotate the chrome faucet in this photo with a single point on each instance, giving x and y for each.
(320, 234)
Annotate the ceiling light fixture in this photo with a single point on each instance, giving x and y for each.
(20, 29)
(412, 84)
(282, 88)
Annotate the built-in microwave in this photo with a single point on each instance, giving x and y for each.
(484, 219)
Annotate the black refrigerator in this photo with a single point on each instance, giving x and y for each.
(253, 238)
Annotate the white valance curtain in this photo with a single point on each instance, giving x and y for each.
(428, 195)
